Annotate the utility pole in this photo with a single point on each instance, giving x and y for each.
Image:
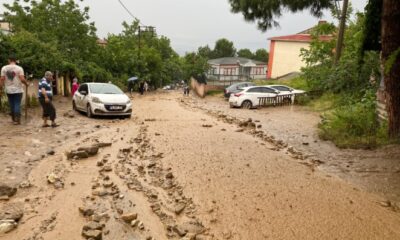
(140, 30)
(342, 26)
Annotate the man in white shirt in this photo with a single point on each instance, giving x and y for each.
(13, 79)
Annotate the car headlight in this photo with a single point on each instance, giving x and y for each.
(129, 101)
(96, 100)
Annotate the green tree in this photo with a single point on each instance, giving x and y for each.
(205, 52)
(261, 55)
(223, 48)
(61, 25)
(245, 53)
(195, 66)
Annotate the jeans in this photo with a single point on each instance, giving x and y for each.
(14, 100)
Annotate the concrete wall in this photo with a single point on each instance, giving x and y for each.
(201, 89)
(285, 58)
(198, 88)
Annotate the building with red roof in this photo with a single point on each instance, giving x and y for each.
(284, 53)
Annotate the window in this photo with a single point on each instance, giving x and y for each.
(83, 87)
(282, 88)
(255, 90)
(268, 90)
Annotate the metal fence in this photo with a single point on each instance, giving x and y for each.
(279, 100)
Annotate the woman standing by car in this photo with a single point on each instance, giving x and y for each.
(75, 86)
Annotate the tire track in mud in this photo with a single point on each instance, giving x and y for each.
(133, 183)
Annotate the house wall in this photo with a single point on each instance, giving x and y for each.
(285, 58)
(232, 72)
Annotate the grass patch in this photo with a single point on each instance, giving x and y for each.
(351, 125)
(216, 92)
(327, 102)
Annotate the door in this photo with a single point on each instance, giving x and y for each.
(253, 94)
(81, 97)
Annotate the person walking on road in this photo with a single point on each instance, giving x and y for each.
(75, 86)
(141, 88)
(146, 86)
(46, 98)
(12, 77)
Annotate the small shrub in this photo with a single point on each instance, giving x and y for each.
(215, 92)
(354, 125)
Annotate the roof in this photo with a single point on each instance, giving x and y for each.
(299, 38)
(235, 61)
(303, 36)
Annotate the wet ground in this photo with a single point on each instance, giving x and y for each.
(375, 170)
(185, 168)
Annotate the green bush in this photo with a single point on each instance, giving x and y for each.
(215, 92)
(354, 125)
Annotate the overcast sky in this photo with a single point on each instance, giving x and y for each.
(193, 23)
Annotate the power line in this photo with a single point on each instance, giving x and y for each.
(129, 12)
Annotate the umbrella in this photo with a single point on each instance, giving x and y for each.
(132, 79)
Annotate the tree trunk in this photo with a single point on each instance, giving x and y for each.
(391, 43)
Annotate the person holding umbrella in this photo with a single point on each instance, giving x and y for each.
(12, 77)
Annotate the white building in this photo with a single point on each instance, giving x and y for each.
(236, 69)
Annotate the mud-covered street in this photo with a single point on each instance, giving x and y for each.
(185, 168)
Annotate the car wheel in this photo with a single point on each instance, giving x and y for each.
(89, 111)
(247, 104)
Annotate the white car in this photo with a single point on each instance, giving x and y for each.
(249, 96)
(285, 89)
(102, 99)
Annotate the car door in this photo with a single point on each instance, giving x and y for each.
(253, 94)
(81, 96)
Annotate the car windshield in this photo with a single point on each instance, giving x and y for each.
(104, 89)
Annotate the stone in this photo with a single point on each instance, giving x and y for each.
(70, 114)
(87, 210)
(50, 152)
(129, 217)
(13, 211)
(169, 175)
(179, 208)
(108, 184)
(7, 226)
(92, 226)
(25, 184)
(52, 178)
(134, 223)
(107, 168)
(179, 230)
(100, 193)
(77, 154)
(7, 190)
(141, 225)
(103, 144)
(93, 234)
(91, 151)
(151, 165)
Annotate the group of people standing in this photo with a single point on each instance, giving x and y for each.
(13, 80)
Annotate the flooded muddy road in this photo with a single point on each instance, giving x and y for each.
(377, 170)
(176, 170)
